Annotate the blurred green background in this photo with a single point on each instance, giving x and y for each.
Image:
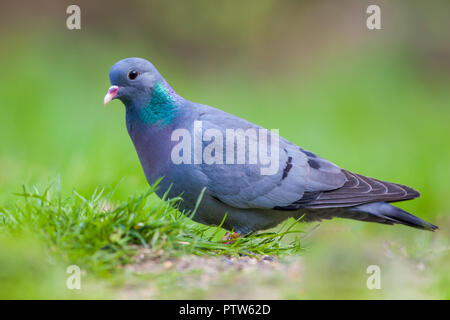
(372, 101)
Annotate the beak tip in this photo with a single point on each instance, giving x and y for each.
(111, 94)
(106, 100)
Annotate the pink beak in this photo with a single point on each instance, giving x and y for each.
(112, 93)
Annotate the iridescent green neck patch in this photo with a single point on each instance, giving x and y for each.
(162, 108)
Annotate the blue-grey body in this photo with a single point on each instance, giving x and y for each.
(304, 184)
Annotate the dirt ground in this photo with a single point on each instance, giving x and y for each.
(334, 264)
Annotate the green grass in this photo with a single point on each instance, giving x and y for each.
(100, 235)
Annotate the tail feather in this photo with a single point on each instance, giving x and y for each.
(394, 215)
(379, 212)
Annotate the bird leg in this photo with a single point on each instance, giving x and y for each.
(231, 237)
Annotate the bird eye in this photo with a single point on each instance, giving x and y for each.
(132, 74)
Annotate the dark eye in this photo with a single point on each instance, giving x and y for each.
(132, 74)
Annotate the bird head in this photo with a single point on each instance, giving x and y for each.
(132, 81)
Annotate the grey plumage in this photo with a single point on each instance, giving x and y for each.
(304, 184)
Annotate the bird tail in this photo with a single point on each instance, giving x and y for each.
(380, 212)
(390, 214)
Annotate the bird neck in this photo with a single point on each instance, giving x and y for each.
(162, 108)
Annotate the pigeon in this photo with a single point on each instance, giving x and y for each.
(238, 194)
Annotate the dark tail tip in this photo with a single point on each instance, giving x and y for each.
(431, 227)
(389, 214)
(397, 215)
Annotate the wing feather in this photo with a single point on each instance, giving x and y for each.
(243, 185)
(357, 190)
